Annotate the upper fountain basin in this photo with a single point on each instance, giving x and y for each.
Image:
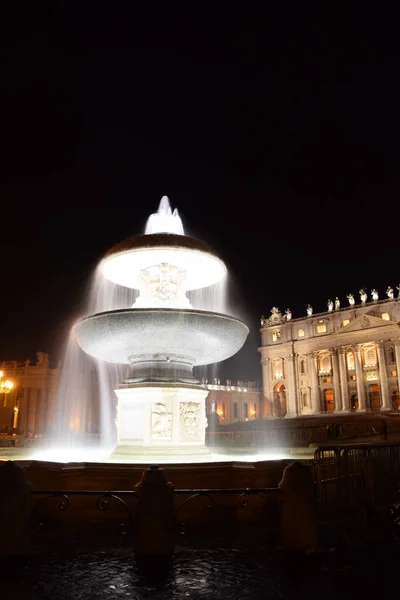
(125, 261)
(123, 336)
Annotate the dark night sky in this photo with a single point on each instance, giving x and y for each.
(274, 133)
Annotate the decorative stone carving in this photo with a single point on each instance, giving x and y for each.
(337, 303)
(290, 357)
(162, 286)
(189, 415)
(390, 293)
(363, 296)
(371, 374)
(398, 290)
(351, 300)
(288, 314)
(42, 359)
(364, 322)
(275, 317)
(375, 295)
(309, 310)
(161, 422)
(330, 305)
(264, 321)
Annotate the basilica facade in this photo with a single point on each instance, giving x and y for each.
(343, 360)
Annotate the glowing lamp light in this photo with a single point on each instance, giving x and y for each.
(6, 386)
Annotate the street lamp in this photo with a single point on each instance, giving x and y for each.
(5, 384)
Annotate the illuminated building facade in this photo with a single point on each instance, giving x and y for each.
(234, 403)
(29, 405)
(343, 360)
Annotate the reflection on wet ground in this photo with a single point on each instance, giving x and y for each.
(226, 566)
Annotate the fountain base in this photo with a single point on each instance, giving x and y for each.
(161, 420)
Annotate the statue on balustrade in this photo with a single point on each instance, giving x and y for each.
(375, 295)
(351, 300)
(309, 310)
(390, 292)
(337, 303)
(363, 296)
(330, 305)
(288, 314)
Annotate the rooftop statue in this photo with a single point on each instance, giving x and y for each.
(375, 295)
(363, 296)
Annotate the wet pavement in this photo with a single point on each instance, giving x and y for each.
(223, 566)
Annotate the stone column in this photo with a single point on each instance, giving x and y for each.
(360, 379)
(336, 380)
(315, 393)
(383, 377)
(291, 379)
(266, 382)
(23, 411)
(343, 380)
(397, 351)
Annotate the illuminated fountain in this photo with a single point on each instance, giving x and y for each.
(161, 407)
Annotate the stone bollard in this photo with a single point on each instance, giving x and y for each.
(298, 517)
(154, 523)
(15, 493)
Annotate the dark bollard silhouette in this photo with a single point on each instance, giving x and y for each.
(154, 527)
(299, 531)
(154, 535)
(15, 493)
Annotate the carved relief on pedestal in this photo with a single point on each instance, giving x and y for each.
(189, 421)
(161, 422)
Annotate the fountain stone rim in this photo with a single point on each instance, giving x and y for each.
(188, 336)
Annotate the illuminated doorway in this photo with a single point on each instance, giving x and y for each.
(279, 407)
(374, 395)
(329, 400)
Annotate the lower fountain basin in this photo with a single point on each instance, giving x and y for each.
(161, 344)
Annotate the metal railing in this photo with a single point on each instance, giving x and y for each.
(120, 497)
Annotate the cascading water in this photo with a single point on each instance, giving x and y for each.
(85, 413)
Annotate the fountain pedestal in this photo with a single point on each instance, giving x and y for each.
(161, 419)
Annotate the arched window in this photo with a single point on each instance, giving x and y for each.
(350, 361)
(326, 364)
(302, 366)
(278, 368)
(370, 357)
(391, 355)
